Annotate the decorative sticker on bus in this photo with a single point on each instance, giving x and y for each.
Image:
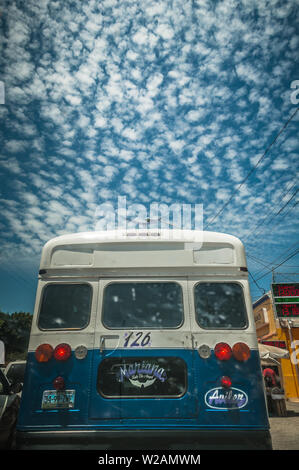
(142, 374)
(131, 377)
(221, 399)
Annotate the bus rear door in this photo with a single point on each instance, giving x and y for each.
(143, 355)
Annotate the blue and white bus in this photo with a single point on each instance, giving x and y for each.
(141, 340)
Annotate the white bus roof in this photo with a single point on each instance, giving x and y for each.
(122, 249)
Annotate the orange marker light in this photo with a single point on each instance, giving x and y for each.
(241, 352)
(43, 352)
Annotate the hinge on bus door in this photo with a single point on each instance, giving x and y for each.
(103, 338)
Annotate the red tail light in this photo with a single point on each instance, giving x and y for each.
(241, 352)
(59, 383)
(43, 352)
(223, 351)
(62, 352)
(226, 382)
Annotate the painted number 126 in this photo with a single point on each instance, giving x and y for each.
(138, 339)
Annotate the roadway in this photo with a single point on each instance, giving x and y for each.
(285, 430)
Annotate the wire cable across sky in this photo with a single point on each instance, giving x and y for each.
(253, 169)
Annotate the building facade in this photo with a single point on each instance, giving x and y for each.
(282, 333)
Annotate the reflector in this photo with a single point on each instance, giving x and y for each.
(80, 352)
(204, 351)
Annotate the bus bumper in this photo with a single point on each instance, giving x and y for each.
(145, 439)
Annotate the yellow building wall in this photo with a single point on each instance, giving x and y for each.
(289, 372)
(271, 331)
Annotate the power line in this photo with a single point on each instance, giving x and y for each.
(260, 288)
(280, 210)
(284, 253)
(268, 217)
(271, 263)
(284, 215)
(286, 274)
(253, 169)
(294, 194)
(292, 266)
(281, 195)
(286, 277)
(291, 256)
(256, 260)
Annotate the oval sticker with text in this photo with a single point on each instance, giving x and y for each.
(221, 399)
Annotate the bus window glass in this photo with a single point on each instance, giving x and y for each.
(220, 305)
(65, 306)
(143, 305)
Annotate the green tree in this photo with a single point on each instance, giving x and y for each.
(15, 332)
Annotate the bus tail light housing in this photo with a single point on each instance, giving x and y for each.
(43, 352)
(223, 351)
(59, 383)
(226, 382)
(241, 352)
(62, 352)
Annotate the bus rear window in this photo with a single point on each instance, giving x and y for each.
(65, 306)
(220, 305)
(142, 377)
(143, 305)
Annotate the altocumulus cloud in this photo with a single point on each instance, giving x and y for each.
(158, 101)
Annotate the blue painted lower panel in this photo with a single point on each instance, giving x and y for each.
(205, 405)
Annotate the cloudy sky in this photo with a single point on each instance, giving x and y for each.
(169, 101)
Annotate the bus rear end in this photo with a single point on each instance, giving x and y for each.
(143, 344)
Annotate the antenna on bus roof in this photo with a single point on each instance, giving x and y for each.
(148, 220)
(159, 219)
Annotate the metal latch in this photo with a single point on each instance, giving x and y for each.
(103, 338)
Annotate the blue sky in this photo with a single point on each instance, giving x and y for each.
(159, 101)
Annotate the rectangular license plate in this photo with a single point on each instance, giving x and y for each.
(58, 399)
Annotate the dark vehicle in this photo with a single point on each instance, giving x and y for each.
(15, 372)
(9, 408)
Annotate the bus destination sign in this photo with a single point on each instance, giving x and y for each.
(286, 299)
